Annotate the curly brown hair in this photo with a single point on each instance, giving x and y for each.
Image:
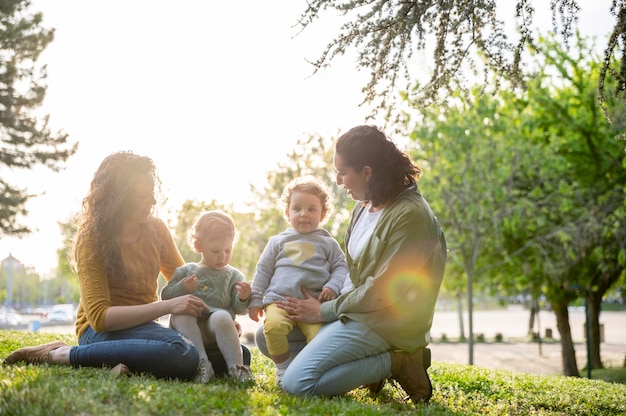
(310, 185)
(106, 207)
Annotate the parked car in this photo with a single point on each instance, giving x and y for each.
(62, 313)
(9, 317)
(41, 312)
(36, 312)
(59, 316)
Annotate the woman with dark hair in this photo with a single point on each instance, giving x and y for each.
(120, 249)
(396, 252)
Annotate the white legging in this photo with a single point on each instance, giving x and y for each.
(218, 329)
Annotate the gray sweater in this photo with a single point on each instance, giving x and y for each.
(292, 260)
(217, 287)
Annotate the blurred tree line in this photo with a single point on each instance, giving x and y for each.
(530, 186)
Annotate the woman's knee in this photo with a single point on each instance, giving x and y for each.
(292, 383)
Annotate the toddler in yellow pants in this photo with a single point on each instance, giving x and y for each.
(303, 257)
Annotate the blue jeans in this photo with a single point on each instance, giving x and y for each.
(149, 348)
(342, 357)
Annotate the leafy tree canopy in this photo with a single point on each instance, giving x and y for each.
(460, 36)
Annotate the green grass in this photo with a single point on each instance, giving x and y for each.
(458, 390)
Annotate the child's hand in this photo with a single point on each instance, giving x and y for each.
(244, 290)
(191, 283)
(255, 312)
(327, 294)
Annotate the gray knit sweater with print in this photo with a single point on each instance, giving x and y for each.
(293, 260)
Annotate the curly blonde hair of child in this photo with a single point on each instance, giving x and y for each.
(307, 184)
(211, 226)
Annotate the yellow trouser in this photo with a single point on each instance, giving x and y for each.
(277, 326)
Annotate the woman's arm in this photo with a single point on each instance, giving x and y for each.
(124, 317)
(393, 267)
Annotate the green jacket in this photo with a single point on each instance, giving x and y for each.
(397, 278)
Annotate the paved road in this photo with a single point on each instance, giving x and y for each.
(513, 323)
(514, 353)
(517, 355)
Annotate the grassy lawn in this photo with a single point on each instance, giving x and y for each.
(458, 390)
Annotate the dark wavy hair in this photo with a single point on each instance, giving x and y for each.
(107, 206)
(392, 170)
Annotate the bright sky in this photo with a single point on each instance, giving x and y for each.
(216, 92)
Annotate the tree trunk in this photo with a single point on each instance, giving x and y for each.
(534, 310)
(601, 284)
(594, 301)
(459, 298)
(568, 354)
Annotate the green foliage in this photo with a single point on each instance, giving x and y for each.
(458, 389)
(529, 186)
(464, 150)
(24, 286)
(461, 37)
(25, 140)
(613, 375)
(574, 240)
(538, 174)
(576, 237)
(27, 288)
(65, 277)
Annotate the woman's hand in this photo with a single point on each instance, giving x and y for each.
(187, 305)
(302, 310)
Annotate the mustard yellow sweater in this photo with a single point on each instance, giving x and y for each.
(143, 260)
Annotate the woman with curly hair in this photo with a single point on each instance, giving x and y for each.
(119, 250)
